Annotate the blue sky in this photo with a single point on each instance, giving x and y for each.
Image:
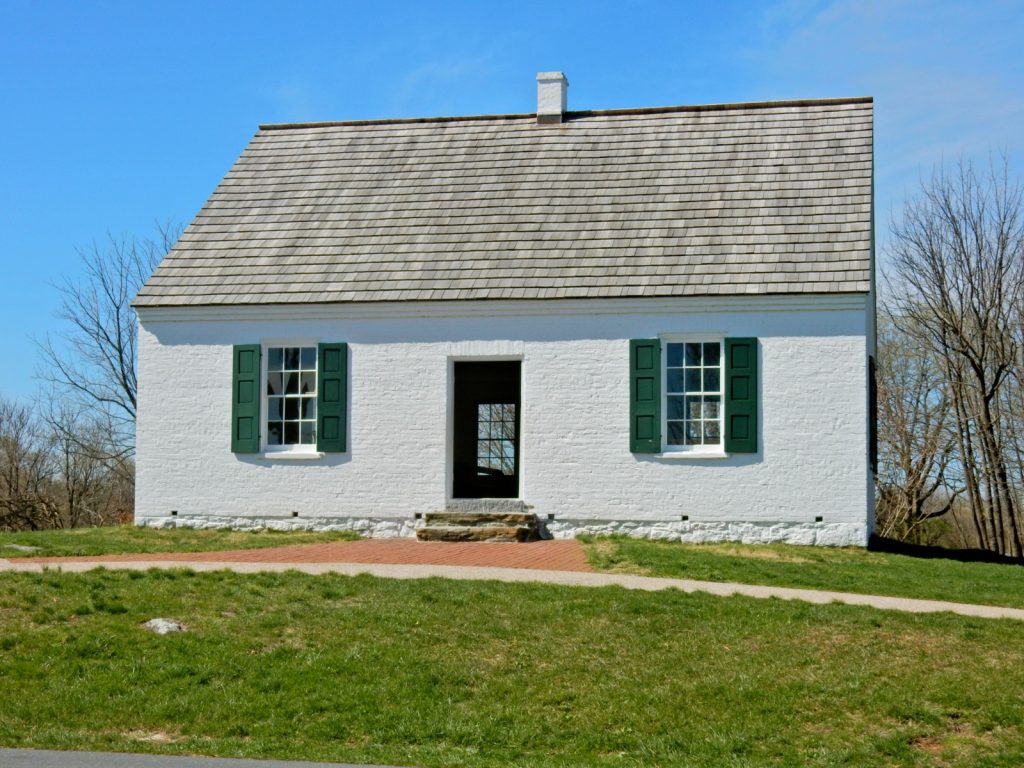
(116, 115)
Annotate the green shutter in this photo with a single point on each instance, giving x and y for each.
(245, 399)
(741, 395)
(645, 395)
(332, 398)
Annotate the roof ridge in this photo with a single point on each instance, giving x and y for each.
(570, 115)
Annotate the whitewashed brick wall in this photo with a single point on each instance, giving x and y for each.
(575, 459)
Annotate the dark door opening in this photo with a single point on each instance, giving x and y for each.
(486, 431)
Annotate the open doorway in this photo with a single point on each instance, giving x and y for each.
(485, 439)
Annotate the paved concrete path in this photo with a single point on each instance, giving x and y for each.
(37, 758)
(569, 578)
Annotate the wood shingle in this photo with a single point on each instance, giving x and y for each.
(770, 198)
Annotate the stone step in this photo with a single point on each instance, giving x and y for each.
(486, 506)
(479, 519)
(476, 533)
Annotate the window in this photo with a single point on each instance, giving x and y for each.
(496, 435)
(693, 396)
(291, 396)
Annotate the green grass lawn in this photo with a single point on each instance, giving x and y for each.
(445, 673)
(845, 570)
(124, 539)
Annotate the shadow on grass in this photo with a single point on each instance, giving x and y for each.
(896, 547)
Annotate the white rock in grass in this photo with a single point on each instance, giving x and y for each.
(163, 626)
(22, 547)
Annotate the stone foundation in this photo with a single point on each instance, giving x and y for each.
(371, 528)
(820, 534)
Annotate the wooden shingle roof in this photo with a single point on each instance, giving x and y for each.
(770, 198)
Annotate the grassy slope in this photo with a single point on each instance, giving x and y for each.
(442, 673)
(127, 538)
(845, 570)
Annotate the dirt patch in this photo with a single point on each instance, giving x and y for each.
(957, 741)
(755, 553)
(604, 554)
(928, 744)
(154, 737)
(931, 746)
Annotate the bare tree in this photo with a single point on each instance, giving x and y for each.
(26, 471)
(91, 487)
(915, 481)
(55, 471)
(93, 362)
(956, 287)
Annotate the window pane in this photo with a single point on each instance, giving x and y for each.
(275, 357)
(274, 385)
(711, 407)
(275, 431)
(675, 409)
(712, 353)
(693, 432)
(291, 433)
(692, 408)
(308, 432)
(291, 408)
(693, 354)
(710, 379)
(274, 409)
(674, 355)
(307, 383)
(675, 433)
(675, 381)
(711, 433)
(291, 383)
(307, 358)
(309, 407)
(291, 358)
(483, 412)
(693, 380)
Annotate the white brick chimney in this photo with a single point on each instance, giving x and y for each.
(551, 88)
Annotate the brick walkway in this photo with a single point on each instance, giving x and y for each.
(561, 555)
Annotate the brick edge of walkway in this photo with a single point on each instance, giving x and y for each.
(548, 555)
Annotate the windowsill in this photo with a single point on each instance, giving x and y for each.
(692, 455)
(293, 455)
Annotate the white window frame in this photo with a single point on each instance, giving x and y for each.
(283, 451)
(692, 451)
